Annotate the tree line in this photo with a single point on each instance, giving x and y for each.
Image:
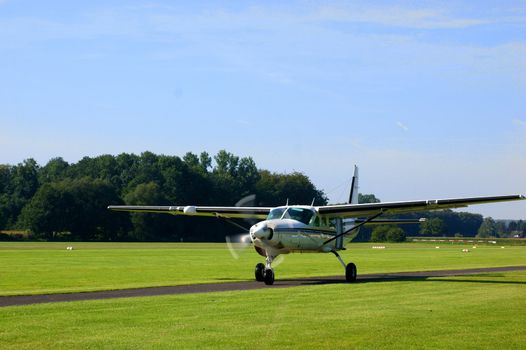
(444, 223)
(67, 201)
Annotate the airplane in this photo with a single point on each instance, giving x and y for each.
(308, 228)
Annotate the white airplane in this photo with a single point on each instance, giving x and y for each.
(308, 228)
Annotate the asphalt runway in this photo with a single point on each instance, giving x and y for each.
(239, 286)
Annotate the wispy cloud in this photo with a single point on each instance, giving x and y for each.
(243, 122)
(402, 126)
(397, 16)
(519, 122)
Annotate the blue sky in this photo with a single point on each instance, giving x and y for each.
(428, 98)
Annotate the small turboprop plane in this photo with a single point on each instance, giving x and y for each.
(308, 228)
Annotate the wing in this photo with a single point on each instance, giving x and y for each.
(368, 209)
(225, 212)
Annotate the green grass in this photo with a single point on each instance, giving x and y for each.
(465, 312)
(37, 268)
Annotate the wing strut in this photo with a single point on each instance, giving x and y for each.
(369, 219)
(232, 222)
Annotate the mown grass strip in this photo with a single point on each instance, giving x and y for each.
(464, 312)
(41, 268)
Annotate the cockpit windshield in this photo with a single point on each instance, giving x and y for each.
(301, 214)
(276, 213)
(304, 215)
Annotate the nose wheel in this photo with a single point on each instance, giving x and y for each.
(260, 272)
(264, 273)
(269, 277)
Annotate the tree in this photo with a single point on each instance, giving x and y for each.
(367, 198)
(55, 170)
(433, 227)
(5, 191)
(23, 183)
(396, 234)
(488, 228)
(276, 189)
(148, 227)
(379, 233)
(205, 161)
(75, 206)
(387, 233)
(501, 229)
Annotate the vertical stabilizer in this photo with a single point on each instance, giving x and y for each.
(353, 196)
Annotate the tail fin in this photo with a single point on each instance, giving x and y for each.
(353, 196)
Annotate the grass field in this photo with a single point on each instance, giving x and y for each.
(469, 312)
(37, 268)
(475, 312)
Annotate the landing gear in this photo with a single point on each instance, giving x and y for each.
(350, 273)
(260, 272)
(264, 273)
(269, 277)
(350, 269)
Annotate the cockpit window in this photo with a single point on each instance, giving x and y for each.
(276, 213)
(304, 215)
(301, 214)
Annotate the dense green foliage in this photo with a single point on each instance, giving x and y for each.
(62, 201)
(487, 229)
(68, 201)
(444, 223)
(387, 233)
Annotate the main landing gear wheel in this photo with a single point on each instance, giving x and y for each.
(268, 277)
(260, 272)
(350, 273)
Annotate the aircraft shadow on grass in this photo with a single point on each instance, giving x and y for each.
(322, 281)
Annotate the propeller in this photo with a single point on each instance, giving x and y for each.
(278, 261)
(247, 201)
(237, 244)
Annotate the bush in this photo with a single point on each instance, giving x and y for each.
(395, 234)
(388, 234)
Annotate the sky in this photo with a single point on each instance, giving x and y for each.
(428, 98)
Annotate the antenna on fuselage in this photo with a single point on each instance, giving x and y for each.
(287, 204)
(313, 199)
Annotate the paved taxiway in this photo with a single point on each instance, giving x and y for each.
(238, 286)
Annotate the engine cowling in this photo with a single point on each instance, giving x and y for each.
(261, 231)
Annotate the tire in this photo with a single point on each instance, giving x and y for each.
(260, 271)
(350, 273)
(269, 277)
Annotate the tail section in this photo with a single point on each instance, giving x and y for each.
(353, 196)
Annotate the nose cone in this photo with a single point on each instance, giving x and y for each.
(260, 230)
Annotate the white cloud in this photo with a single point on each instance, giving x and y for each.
(402, 126)
(519, 122)
(243, 122)
(397, 16)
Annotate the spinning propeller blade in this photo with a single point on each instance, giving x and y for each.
(237, 244)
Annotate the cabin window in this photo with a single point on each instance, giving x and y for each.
(315, 221)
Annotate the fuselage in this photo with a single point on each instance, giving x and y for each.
(290, 229)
